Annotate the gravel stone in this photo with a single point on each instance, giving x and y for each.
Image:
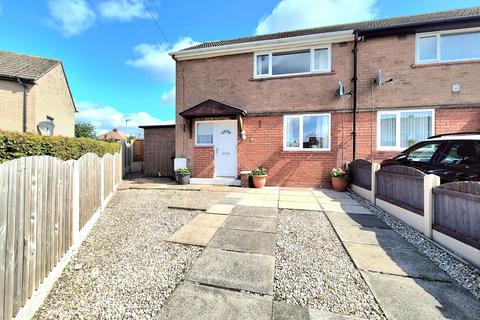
(463, 273)
(125, 269)
(312, 268)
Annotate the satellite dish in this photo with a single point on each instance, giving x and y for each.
(46, 127)
(340, 90)
(377, 80)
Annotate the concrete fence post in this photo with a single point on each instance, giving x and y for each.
(75, 201)
(375, 168)
(102, 182)
(430, 181)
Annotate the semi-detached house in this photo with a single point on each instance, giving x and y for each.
(272, 100)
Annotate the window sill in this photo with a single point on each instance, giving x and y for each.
(306, 150)
(446, 63)
(315, 74)
(203, 147)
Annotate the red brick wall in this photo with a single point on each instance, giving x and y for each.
(203, 162)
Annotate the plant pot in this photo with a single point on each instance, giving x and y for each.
(183, 178)
(340, 184)
(259, 181)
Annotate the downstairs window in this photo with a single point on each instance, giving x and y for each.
(306, 132)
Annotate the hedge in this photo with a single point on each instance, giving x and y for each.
(15, 145)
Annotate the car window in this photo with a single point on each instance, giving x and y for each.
(461, 152)
(423, 153)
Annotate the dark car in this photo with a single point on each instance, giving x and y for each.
(452, 157)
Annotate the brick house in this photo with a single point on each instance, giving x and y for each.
(270, 100)
(34, 91)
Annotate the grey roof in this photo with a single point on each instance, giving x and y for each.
(442, 16)
(15, 65)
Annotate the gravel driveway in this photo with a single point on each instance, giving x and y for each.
(124, 269)
(312, 269)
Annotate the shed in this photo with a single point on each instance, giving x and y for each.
(159, 150)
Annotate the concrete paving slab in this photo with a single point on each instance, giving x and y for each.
(209, 220)
(407, 298)
(348, 202)
(251, 224)
(315, 314)
(400, 262)
(293, 198)
(268, 189)
(254, 212)
(337, 207)
(258, 203)
(244, 241)
(331, 194)
(243, 271)
(386, 238)
(229, 200)
(359, 220)
(299, 205)
(220, 208)
(234, 195)
(193, 234)
(197, 302)
(287, 311)
(304, 193)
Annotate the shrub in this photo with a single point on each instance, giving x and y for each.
(183, 171)
(259, 172)
(15, 145)
(340, 173)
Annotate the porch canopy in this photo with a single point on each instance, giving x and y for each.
(212, 109)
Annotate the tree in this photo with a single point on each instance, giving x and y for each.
(85, 130)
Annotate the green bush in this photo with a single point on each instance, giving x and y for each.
(259, 172)
(15, 145)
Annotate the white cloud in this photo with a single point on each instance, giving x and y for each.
(105, 118)
(168, 97)
(299, 14)
(71, 17)
(154, 58)
(123, 10)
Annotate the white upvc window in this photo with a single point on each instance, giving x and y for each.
(398, 130)
(448, 46)
(307, 132)
(289, 63)
(203, 133)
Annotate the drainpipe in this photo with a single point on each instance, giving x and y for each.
(354, 93)
(25, 97)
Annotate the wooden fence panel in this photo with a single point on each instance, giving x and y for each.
(108, 174)
(90, 198)
(457, 211)
(401, 186)
(361, 172)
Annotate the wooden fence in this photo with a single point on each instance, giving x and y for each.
(361, 171)
(449, 213)
(44, 204)
(402, 186)
(457, 211)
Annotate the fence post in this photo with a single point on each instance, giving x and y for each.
(430, 181)
(75, 201)
(114, 171)
(102, 182)
(375, 168)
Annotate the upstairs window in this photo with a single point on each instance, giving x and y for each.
(292, 62)
(448, 46)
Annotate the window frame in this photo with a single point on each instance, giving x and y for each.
(312, 69)
(397, 113)
(438, 35)
(300, 147)
(197, 144)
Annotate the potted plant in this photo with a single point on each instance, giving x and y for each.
(183, 175)
(340, 179)
(259, 177)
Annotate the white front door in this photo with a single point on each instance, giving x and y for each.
(225, 148)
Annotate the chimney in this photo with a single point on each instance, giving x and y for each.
(115, 130)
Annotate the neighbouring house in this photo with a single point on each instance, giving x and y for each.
(159, 149)
(35, 95)
(114, 135)
(273, 100)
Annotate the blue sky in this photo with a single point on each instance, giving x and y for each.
(116, 59)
